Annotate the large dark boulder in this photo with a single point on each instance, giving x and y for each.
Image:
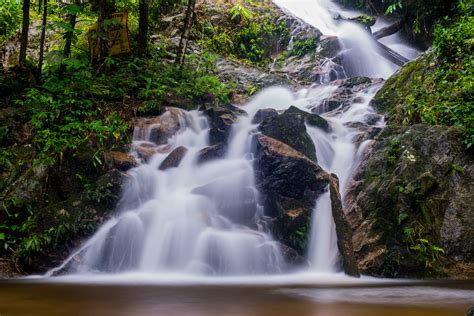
(289, 183)
(290, 128)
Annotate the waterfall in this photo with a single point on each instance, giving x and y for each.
(191, 219)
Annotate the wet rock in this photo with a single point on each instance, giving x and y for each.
(212, 152)
(293, 258)
(415, 184)
(119, 160)
(221, 120)
(145, 153)
(289, 128)
(174, 158)
(289, 183)
(165, 126)
(329, 47)
(343, 230)
(348, 92)
(263, 114)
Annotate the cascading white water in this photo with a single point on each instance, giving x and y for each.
(186, 219)
(359, 48)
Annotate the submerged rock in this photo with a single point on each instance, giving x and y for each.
(211, 152)
(174, 158)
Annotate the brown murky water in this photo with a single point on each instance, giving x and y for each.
(40, 298)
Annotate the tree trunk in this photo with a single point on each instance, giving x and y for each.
(391, 55)
(389, 30)
(43, 36)
(186, 31)
(103, 9)
(70, 34)
(143, 27)
(24, 32)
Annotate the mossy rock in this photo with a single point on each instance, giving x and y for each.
(411, 199)
(289, 128)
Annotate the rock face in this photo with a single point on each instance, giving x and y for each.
(289, 128)
(289, 183)
(79, 216)
(343, 230)
(174, 158)
(414, 194)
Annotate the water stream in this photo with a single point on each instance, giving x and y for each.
(190, 219)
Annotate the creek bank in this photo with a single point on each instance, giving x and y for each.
(412, 200)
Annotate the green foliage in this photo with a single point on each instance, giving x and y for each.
(303, 47)
(244, 35)
(455, 168)
(393, 7)
(10, 18)
(444, 94)
(300, 237)
(36, 243)
(423, 250)
(65, 112)
(239, 12)
(393, 152)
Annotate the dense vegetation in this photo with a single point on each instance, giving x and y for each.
(441, 84)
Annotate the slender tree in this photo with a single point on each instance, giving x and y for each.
(186, 31)
(70, 32)
(143, 7)
(43, 36)
(104, 10)
(24, 32)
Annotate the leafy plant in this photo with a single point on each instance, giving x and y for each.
(10, 18)
(303, 47)
(424, 251)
